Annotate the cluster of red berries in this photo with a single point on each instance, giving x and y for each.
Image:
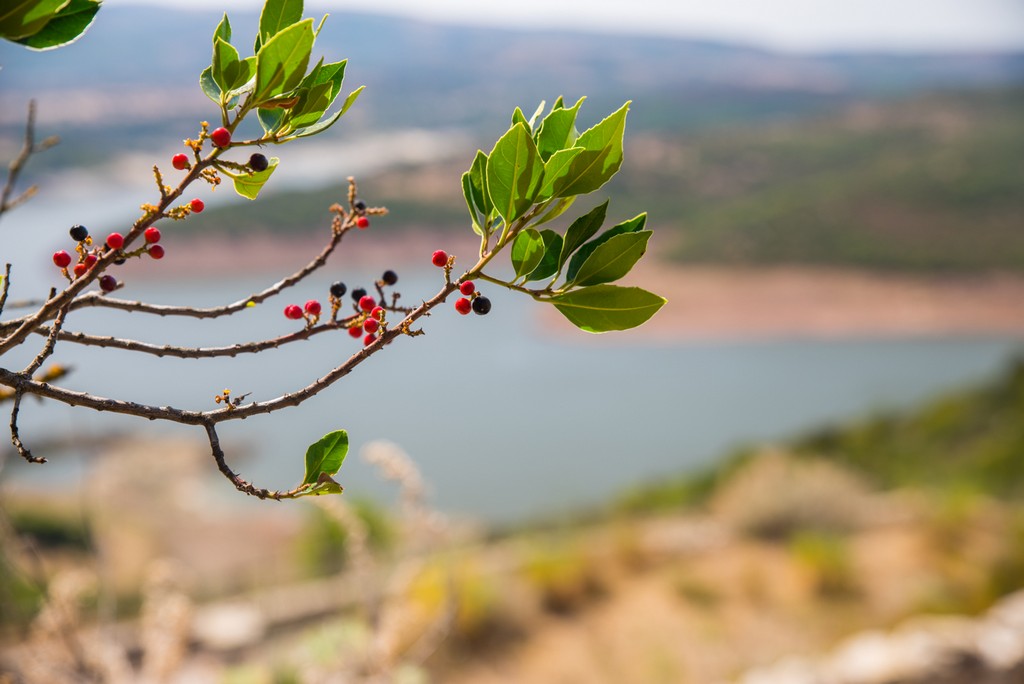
(87, 258)
(471, 299)
(311, 311)
(373, 319)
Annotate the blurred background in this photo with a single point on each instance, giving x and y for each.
(821, 421)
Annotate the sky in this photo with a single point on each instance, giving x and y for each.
(794, 25)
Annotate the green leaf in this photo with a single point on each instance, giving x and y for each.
(333, 73)
(327, 123)
(209, 86)
(603, 308)
(325, 456)
(536, 114)
(633, 225)
(467, 192)
(281, 62)
(223, 30)
(612, 259)
(24, 18)
(478, 180)
(248, 185)
(311, 106)
(225, 64)
(519, 117)
(581, 230)
(67, 26)
(554, 210)
(276, 16)
(527, 251)
(548, 264)
(556, 169)
(325, 485)
(514, 173)
(558, 130)
(270, 119)
(601, 158)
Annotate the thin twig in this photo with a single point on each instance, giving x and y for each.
(28, 148)
(15, 437)
(240, 483)
(51, 341)
(6, 287)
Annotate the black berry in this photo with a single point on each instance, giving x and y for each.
(359, 205)
(79, 233)
(481, 305)
(108, 283)
(389, 277)
(118, 262)
(338, 290)
(258, 162)
(358, 293)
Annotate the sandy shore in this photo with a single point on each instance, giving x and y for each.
(704, 302)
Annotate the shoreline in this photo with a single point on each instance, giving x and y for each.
(705, 302)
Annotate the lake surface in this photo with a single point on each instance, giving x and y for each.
(505, 421)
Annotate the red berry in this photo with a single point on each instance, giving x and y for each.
(90, 260)
(80, 270)
(62, 259)
(355, 332)
(108, 283)
(366, 303)
(371, 325)
(362, 223)
(156, 251)
(440, 258)
(197, 205)
(467, 288)
(221, 137)
(179, 161)
(313, 307)
(369, 339)
(293, 312)
(463, 306)
(377, 312)
(152, 235)
(115, 241)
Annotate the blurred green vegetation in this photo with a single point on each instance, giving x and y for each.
(322, 546)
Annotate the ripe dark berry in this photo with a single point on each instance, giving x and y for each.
(389, 277)
(179, 161)
(369, 339)
(115, 241)
(79, 233)
(108, 283)
(439, 258)
(221, 137)
(377, 312)
(463, 306)
(152, 235)
(366, 303)
(313, 307)
(156, 251)
(467, 288)
(338, 290)
(362, 223)
(119, 262)
(258, 162)
(359, 205)
(62, 259)
(358, 293)
(293, 312)
(355, 332)
(80, 270)
(371, 325)
(197, 205)
(481, 306)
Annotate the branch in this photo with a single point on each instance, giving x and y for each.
(51, 341)
(15, 437)
(28, 148)
(6, 287)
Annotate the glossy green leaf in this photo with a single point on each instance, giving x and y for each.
(24, 18)
(612, 259)
(633, 225)
(548, 264)
(519, 117)
(325, 456)
(311, 106)
(276, 16)
(225, 64)
(527, 251)
(558, 130)
(556, 169)
(581, 230)
(209, 86)
(536, 114)
(603, 308)
(601, 158)
(559, 103)
(281, 62)
(333, 74)
(248, 185)
(223, 30)
(514, 173)
(478, 179)
(467, 193)
(67, 26)
(555, 209)
(270, 119)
